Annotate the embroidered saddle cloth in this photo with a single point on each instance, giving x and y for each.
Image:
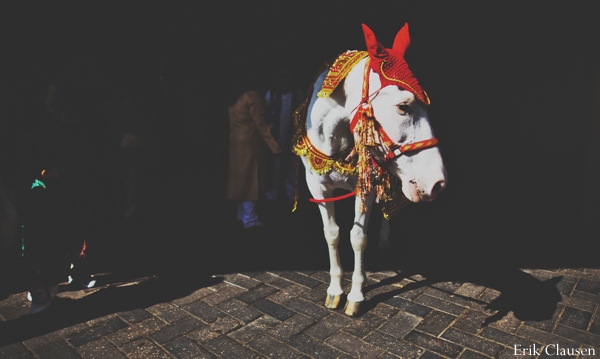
(301, 145)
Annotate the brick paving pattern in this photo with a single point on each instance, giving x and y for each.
(280, 314)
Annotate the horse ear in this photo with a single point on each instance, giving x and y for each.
(374, 47)
(402, 39)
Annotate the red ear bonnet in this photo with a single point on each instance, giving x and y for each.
(390, 63)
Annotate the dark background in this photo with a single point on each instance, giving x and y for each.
(512, 87)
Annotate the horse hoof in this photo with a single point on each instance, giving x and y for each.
(352, 308)
(332, 301)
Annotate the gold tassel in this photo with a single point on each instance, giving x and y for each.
(296, 185)
(366, 136)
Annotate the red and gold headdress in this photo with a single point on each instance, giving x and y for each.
(390, 63)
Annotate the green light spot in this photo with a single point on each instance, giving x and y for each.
(38, 183)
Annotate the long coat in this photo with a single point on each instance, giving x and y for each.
(248, 133)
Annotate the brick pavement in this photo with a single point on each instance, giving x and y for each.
(279, 314)
(456, 299)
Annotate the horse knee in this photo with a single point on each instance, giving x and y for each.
(358, 238)
(384, 243)
(332, 235)
(384, 235)
(385, 229)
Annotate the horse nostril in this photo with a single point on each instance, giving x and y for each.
(438, 187)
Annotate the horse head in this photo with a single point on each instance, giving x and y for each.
(398, 104)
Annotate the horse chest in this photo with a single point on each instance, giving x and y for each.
(337, 180)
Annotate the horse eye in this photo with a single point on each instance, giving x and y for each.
(405, 108)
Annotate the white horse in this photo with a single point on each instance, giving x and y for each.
(364, 128)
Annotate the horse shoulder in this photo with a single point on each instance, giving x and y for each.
(325, 117)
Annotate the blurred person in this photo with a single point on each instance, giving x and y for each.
(248, 135)
(282, 98)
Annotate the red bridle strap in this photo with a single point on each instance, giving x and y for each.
(399, 150)
(396, 150)
(333, 199)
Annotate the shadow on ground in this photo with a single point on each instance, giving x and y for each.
(190, 247)
(109, 299)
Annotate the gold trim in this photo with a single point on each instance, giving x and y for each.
(392, 207)
(426, 101)
(339, 70)
(320, 162)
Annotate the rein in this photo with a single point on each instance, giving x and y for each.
(333, 199)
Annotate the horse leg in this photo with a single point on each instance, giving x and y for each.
(358, 239)
(384, 235)
(332, 236)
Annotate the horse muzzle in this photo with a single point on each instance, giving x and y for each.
(416, 193)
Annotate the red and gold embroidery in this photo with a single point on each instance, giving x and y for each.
(421, 96)
(320, 162)
(338, 71)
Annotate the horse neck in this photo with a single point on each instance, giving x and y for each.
(331, 133)
(353, 85)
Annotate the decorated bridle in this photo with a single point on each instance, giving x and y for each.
(365, 113)
(369, 135)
